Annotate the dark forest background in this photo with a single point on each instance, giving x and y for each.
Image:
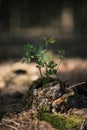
(23, 21)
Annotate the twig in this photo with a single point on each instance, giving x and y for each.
(75, 85)
(12, 121)
(10, 126)
(8, 120)
(36, 124)
(83, 124)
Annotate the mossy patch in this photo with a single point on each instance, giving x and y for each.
(59, 121)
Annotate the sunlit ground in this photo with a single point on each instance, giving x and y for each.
(73, 70)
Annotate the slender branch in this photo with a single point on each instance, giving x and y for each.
(75, 85)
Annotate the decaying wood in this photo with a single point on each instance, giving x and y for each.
(62, 98)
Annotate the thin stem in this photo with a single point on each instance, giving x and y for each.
(46, 46)
(40, 72)
(57, 76)
(58, 65)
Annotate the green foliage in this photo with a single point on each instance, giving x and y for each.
(51, 68)
(40, 56)
(49, 41)
(29, 50)
(61, 54)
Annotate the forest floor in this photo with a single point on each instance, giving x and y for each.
(15, 79)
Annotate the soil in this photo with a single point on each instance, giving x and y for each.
(15, 80)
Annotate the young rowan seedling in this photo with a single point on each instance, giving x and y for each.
(40, 55)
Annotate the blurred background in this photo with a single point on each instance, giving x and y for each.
(27, 21)
(23, 21)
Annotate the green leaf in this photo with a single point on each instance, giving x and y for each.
(52, 40)
(49, 72)
(41, 55)
(61, 54)
(49, 41)
(29, 52)
(51, 64)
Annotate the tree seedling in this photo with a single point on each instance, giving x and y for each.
(40, 55)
